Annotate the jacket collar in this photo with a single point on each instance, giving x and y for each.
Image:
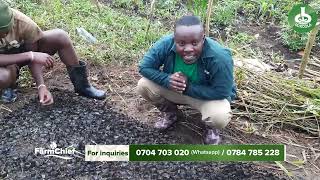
(207, 51)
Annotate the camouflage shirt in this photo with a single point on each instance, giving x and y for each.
(24, 30)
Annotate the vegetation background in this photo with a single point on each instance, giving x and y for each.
(252, 29)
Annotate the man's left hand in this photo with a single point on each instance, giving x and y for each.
(179, 82)
(45, 96)
(183, 78)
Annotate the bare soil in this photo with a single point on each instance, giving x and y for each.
(77, 121)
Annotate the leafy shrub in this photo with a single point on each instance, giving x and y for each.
(225, 12)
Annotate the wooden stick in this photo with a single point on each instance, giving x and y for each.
(5, 108)
(314, 73)
(210, 3)
(305, 58)
(316, 60)
(152, 7)
(315, 64)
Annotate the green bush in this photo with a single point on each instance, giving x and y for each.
(225, 12)
(293, 40)
(267, 10)
(198, 7)
(241, 38)
(123, 3)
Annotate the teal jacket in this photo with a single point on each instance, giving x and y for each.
(215, 68)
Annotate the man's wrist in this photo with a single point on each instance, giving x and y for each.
(31, 56)
(41, 85)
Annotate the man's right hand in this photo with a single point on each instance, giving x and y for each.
(45, 97)
(177, 83)
(43, 59)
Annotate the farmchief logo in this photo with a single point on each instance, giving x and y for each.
(302, 18)
(54, 151)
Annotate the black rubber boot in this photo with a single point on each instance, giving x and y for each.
(79, 78)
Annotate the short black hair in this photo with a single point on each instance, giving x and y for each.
(188, 21)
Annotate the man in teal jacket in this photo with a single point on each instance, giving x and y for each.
(189, 68)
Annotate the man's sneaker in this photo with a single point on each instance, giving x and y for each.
(212, 136)
(9, 95)
(166, 120)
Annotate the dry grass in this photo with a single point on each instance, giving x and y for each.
(3, 107)
(273, 100)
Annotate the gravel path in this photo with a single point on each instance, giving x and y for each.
(78, 121)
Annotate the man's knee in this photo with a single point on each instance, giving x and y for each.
(148, 90)
(57, 37)
(219, 120)
(142, 85)
(143, 88)
(63, 37)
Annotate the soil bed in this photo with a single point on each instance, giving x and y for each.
(77, 121)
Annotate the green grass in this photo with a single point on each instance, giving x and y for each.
(225, 12)
(165, 11)
(121, 37)
(240, 42)
(242, 38)
(121, 34)
(198, 7)
(293, 40)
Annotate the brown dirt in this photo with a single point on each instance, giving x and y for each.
(269, 39)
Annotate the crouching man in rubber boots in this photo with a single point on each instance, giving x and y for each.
(191, 69)
(23, 43)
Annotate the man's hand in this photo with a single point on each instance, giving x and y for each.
(178, 82)
(42, 58)
(184, 77)
(45, 96)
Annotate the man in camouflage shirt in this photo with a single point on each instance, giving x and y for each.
(22, 43)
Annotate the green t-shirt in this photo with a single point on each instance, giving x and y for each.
(190, 70)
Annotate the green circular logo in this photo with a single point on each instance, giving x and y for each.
(302, 18)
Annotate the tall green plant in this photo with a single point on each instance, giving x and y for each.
(150, 16)
(225, 12)
(266, 8)
(295, 41)
(198, 7)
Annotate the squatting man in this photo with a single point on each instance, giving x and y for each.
(188, 68)
(23, 43)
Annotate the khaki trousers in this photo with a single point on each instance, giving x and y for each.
(215, 113)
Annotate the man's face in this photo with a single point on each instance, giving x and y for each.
(189, 42)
